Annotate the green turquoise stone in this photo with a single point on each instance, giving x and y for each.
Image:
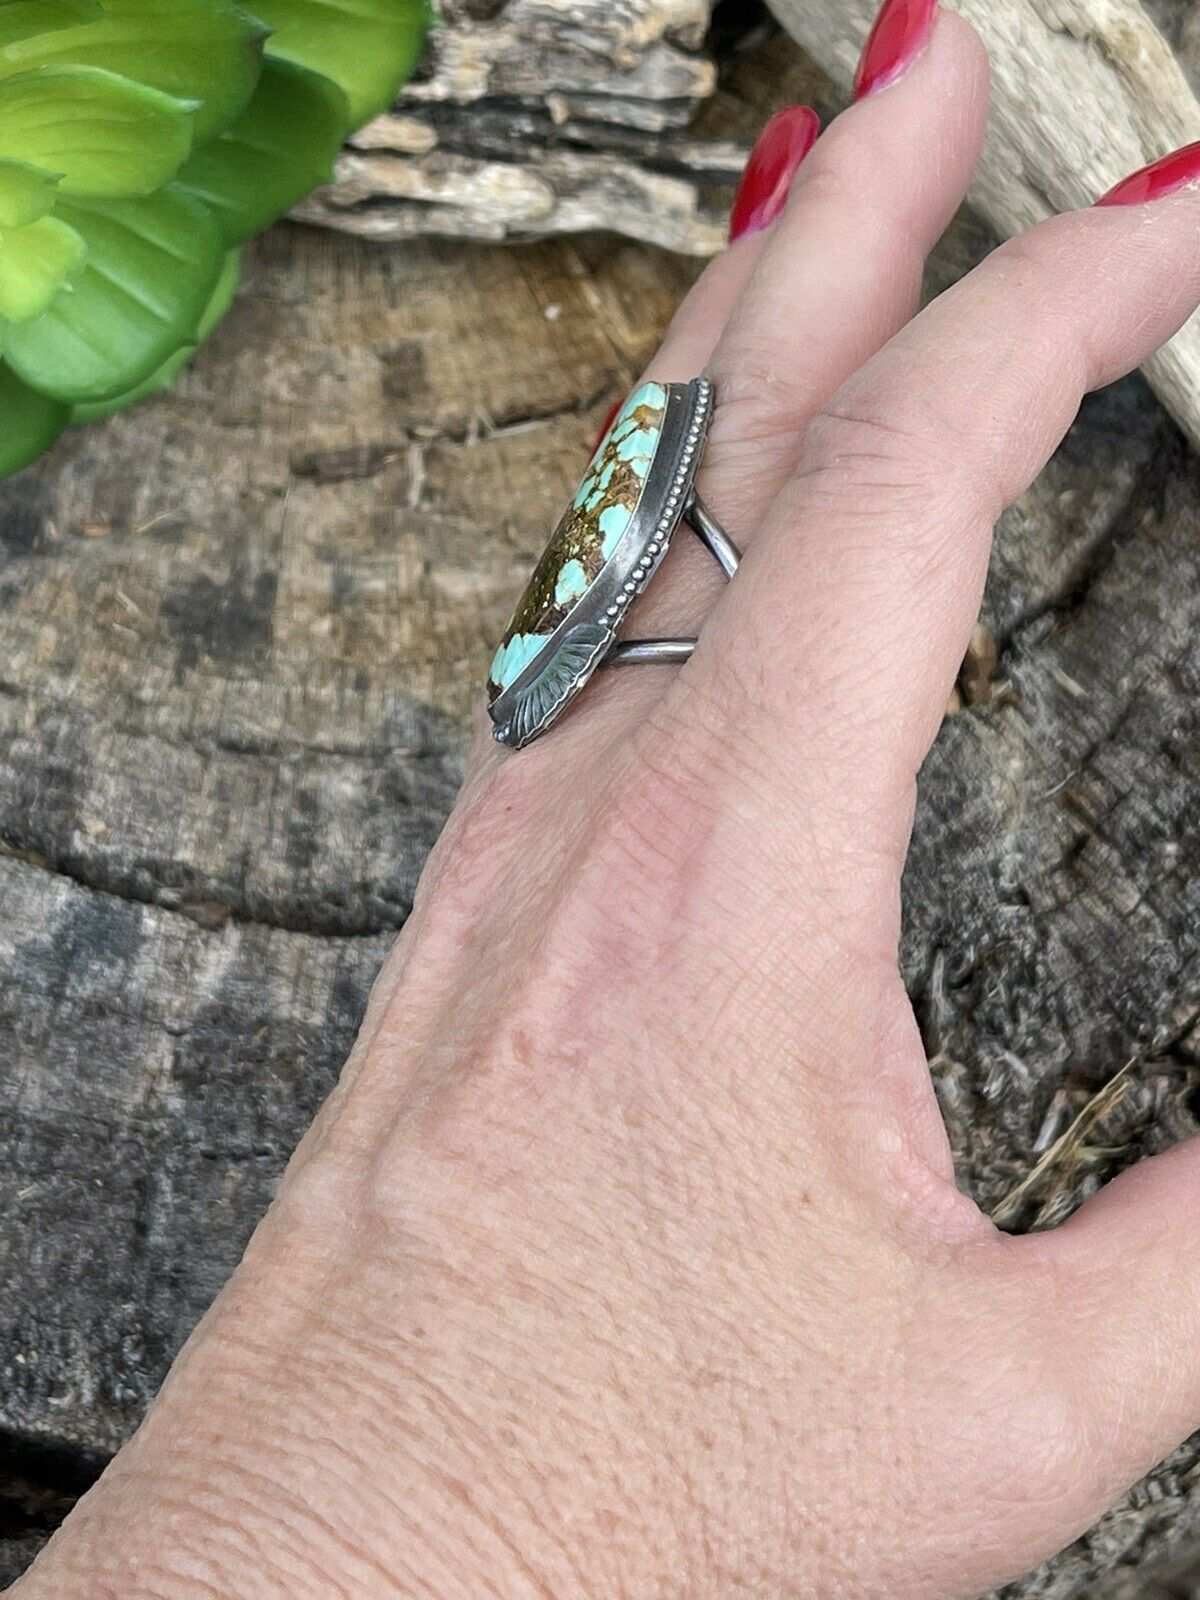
(572, 583)
(587, 534)
(514, 655)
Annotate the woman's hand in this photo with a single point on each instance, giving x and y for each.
(627, 1259)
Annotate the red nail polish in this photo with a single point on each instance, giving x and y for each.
(781, 147)
(1161, 177)
(898, 37)
(610, 416)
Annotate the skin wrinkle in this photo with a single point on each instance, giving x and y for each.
(388, 1443)
(214, 1562)
(301, 1523)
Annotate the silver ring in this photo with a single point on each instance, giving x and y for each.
(638, 488)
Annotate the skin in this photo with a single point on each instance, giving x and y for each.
(626, 1259)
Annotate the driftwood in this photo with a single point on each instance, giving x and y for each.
(530, 118)
(1084, 91)
(241, 629)
(524, 123)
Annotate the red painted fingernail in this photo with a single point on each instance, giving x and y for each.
(610, 416)
(763, 191)
(897, 39)
(1161, 177)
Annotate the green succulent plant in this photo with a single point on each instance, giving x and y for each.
(141, 143)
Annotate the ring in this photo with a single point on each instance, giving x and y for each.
(638, 488)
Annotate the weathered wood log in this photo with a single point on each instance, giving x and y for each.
(1083, 92)
(523, 124)
(241, 630)
(530, 118)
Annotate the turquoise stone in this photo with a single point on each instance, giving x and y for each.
(514, 655)
(637, 445)
(572, 583)
(613, 522)
(588, 533)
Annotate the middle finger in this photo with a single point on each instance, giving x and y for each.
(839, 273)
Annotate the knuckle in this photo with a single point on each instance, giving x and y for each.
(764, 394)
(1039, 1458)
(700, 732)
(662, 808)
(823, 177)
(497, 809)
(866, 432)
(890, 225)
(1033, 283)
(1023, 262)
(1023, 1445)
(902, 456)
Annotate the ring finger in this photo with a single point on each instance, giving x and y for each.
(800, 300)
(837, 274)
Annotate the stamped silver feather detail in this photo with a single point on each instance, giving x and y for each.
(573, 663)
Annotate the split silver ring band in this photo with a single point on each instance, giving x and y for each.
(608, 544)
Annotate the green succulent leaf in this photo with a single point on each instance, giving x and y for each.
(367, 46)
(139, 140)
(110, 138)
(29, 422)
(26, 192)
(204, 50)
(22, 19)
(151, 269)
(164, 377)
(282, 145)
(222, 296)
(35, 263)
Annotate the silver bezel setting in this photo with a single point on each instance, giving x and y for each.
(578, 645)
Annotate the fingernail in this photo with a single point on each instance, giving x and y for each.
(763, 191)
(901, 31)
(610, 416)
(1161, 177)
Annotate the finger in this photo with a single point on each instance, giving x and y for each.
(842, 634)
(1112, 1320)
(842, 270)
(839, 274)
(780, 151)
(833, 276)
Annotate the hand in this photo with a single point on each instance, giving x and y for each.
(626, 1259)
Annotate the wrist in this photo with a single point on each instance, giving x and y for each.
(311, 1442)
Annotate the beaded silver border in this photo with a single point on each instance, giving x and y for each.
(578, 645)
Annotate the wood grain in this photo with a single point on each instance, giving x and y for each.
(528, 119)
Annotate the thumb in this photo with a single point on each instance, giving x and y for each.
(1123, 1320)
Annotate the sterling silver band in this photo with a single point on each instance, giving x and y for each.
(670, 652)
(701, 520)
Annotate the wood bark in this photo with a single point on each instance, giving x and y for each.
(241, 631)
(530, 118)
(1083, 92)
